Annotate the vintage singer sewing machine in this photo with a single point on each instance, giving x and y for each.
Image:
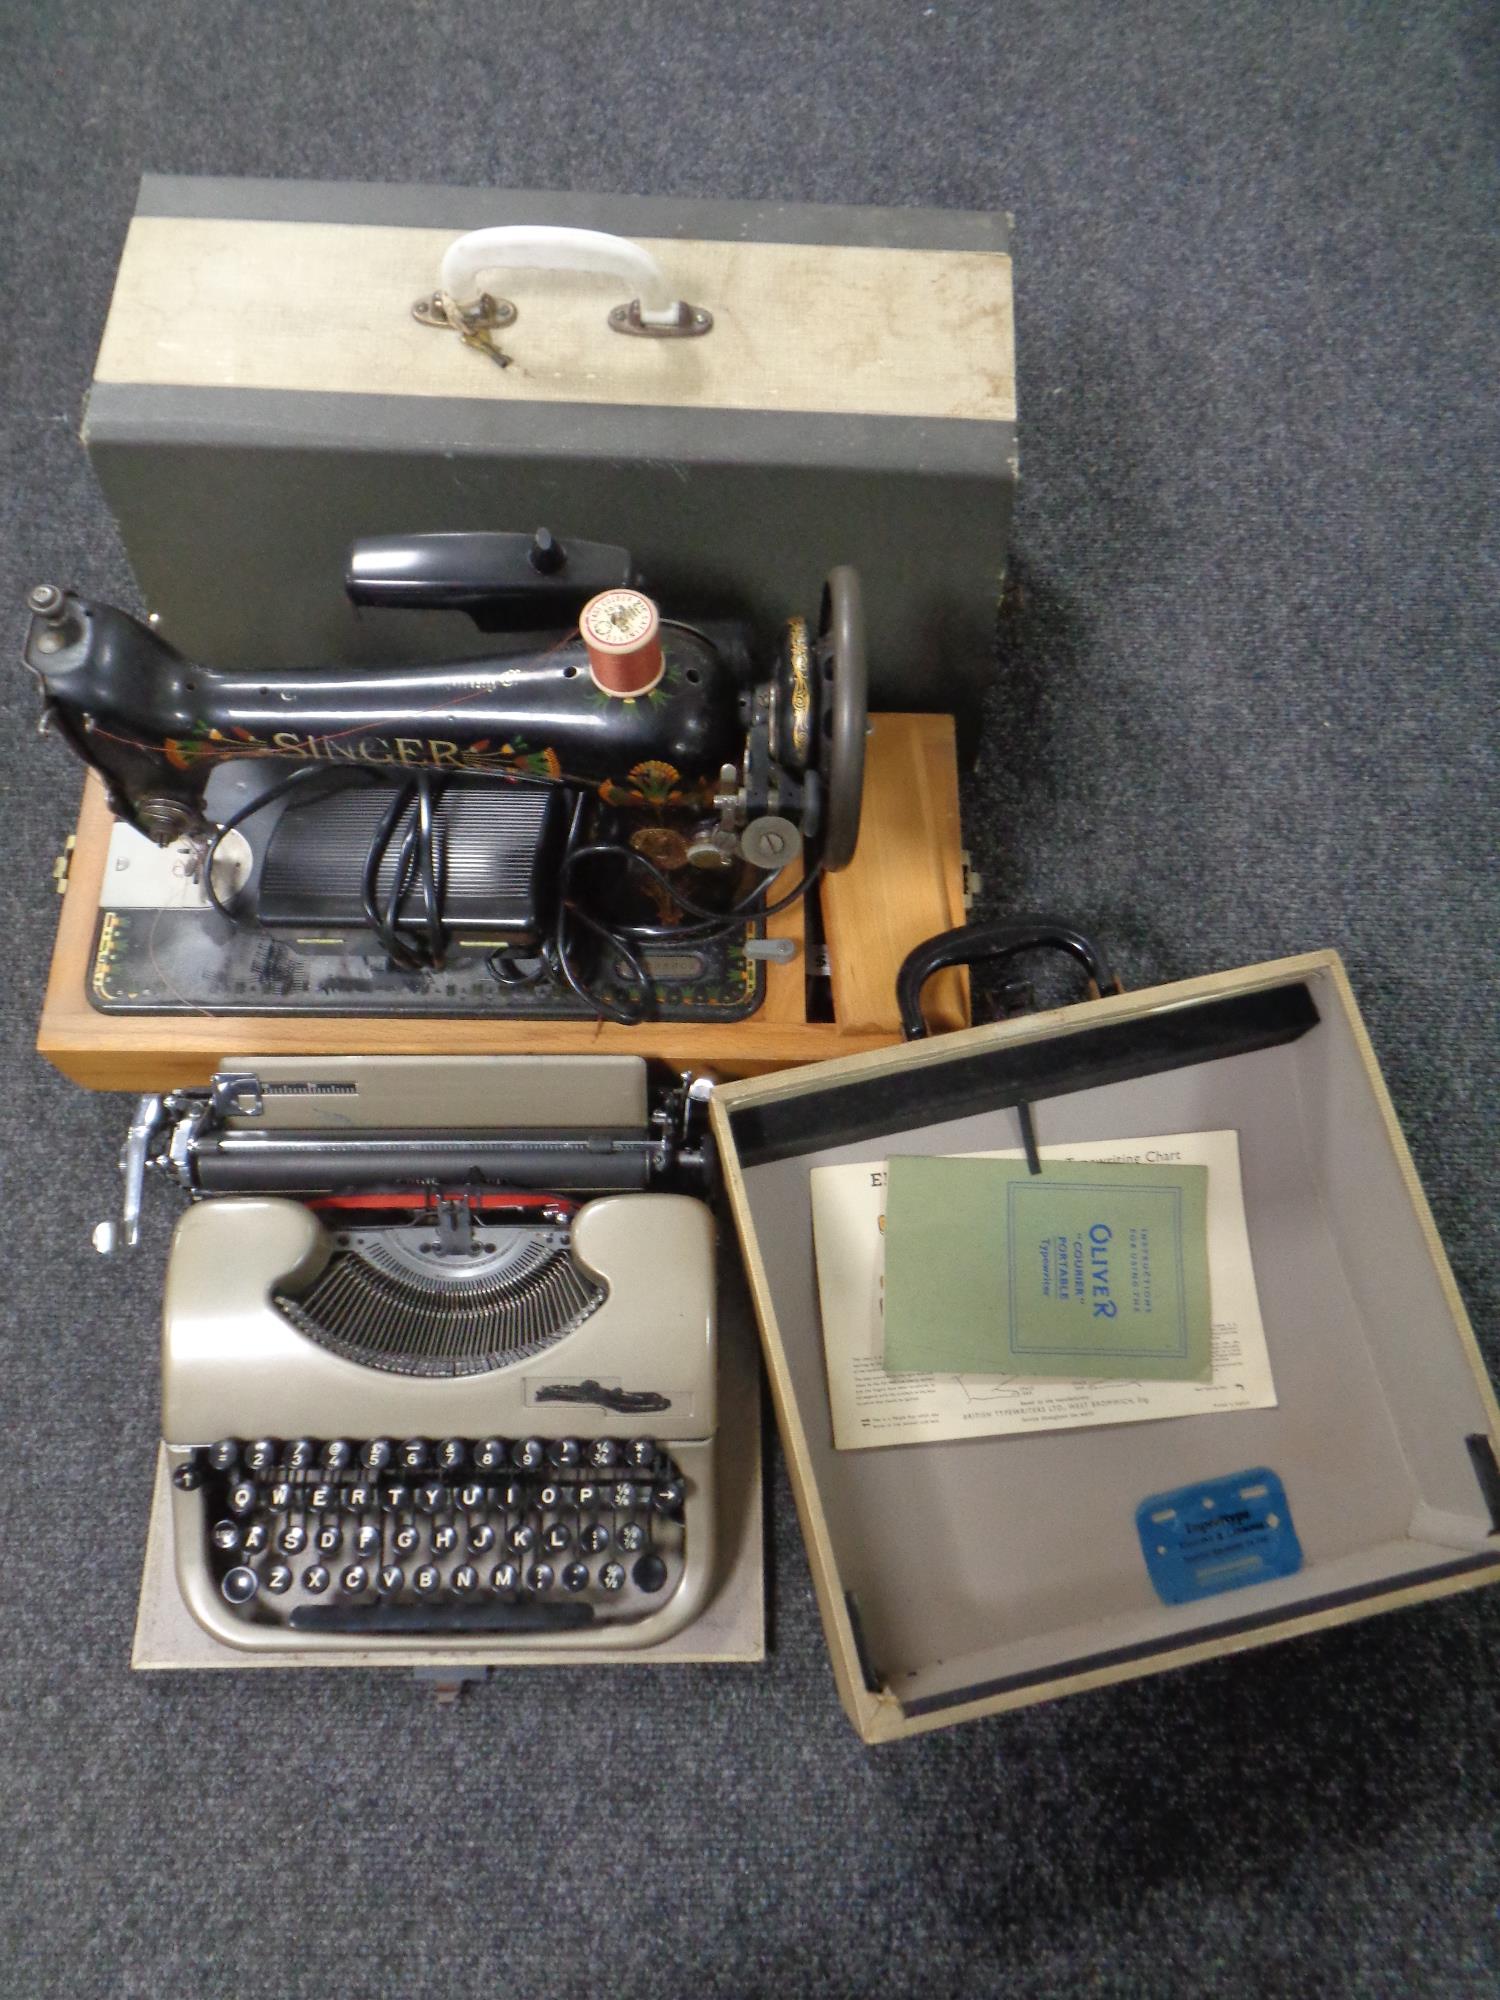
(438, 1354)
(593, 818)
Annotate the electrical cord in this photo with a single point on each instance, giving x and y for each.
(418, 851)
(607, 1010)
(417, 861)
(715, 922)
(711, 924)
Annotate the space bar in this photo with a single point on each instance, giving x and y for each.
(387, 1618)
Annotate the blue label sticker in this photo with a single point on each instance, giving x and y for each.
(1218, 1534)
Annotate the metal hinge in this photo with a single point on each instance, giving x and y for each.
(973, 881)
(63, 865)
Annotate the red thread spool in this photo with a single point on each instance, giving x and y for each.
(621, 631)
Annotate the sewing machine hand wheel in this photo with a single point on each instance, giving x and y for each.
(843, 712)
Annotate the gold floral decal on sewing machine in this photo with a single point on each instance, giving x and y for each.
(655, 784)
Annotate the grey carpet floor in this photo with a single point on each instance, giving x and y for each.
(1246, 706)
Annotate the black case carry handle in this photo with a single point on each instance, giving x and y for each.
(978, 944)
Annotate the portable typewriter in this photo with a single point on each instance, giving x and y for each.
(594, 817)
(438, 1356)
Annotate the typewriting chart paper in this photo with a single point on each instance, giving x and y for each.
(871, 1407)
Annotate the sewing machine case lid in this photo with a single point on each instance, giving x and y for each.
(854, 401)
(959, 1579)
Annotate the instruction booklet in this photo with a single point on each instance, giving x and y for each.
(1085, 1268)
(873, 1406)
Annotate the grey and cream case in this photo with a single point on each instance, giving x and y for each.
(263, 394)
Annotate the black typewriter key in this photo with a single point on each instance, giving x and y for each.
(565, 1452)
(407, 1538)
(225, 1455)
(244, 1498)
(280, 1497)
(226, 1536)
(292, 1540)
(540, 1577)
(338, 1455)
(549, 1497)
(367, 1539)
(444, 1539)
(299, 1455)
(612, 1576)
(389, 1579)
(330, 1539)
(278, 1578)
(413, 1455)
(321, 1498)
(240, 1585)
(315, 1579)
(603, 1453)
(529, 1454)
(481, 1537)
(431, 1495)
(505, 1576)
(451, 1455)
(521, 1537)
(631, 1537)
(257, 1538)
(376, 1456)
(649, 1573)
(668, 1497)
(427, 1579)
(260, 1456)
(585, 1496)
(512, 1494)
(355, 1579)
(641, 1453)
(575, 1576)
(395, 1499)
(188, 1478)
(489, 1454)
(622, 1493)
(593, 1538)
(557, 1538)
(359, 1499)
(471, 1497)
(466, 1579)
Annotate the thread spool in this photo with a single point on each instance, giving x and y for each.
(621, 632)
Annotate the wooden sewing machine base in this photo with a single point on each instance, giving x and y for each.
(905, 883)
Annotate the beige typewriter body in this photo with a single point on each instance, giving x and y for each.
(236, 1367)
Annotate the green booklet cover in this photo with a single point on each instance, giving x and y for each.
(1081, 1270)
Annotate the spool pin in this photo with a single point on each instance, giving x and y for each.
(621, 632)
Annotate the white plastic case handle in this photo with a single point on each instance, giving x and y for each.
(540, 247)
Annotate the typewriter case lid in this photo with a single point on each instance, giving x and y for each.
(958, 1579)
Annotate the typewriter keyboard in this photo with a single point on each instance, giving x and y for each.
(415, 1535)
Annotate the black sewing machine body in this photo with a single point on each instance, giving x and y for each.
(550, 844)
(155, 725)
